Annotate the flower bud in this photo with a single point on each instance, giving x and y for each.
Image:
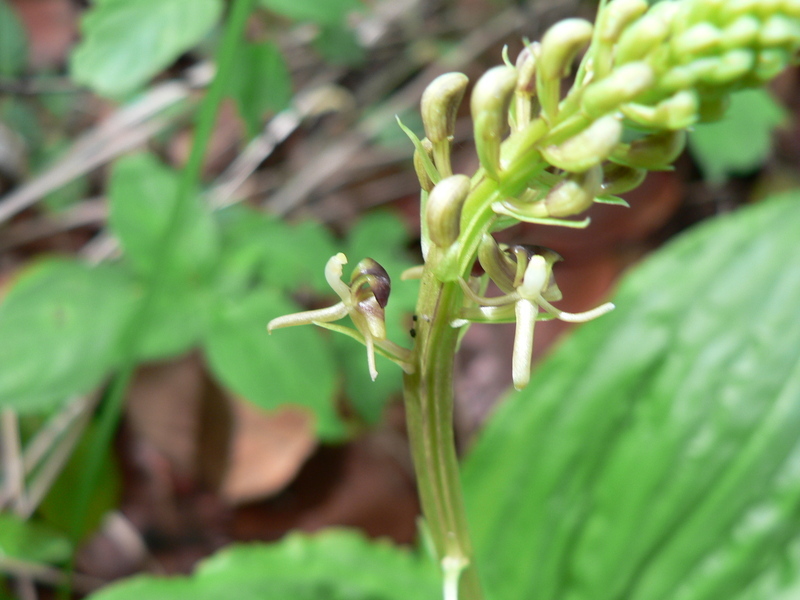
(791, 8)
(770, 62)
(419, 166)
(440, 103)
(778, 31)
(443, 209)
(676, 112)
(740, 33)
(622, 85)
(499, 265)
(618, 179)
(730, 68)
(489, 105)
(588, 148)
(687, 76)
(705, 11)
(560, 45)
(768, 8)
(655, 151)
(700, 39)
(526, 69)
(737, 8)
(642, 37)
(573, 195)
(617, 15)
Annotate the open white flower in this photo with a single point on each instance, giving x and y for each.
(531, 291)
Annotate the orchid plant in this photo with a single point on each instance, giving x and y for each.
(640, 76)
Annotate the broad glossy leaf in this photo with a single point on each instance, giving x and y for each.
(59, 328)
(292, 366)
(126, 42)
(142, 194)
(655, 455)
(31, 541)
(261, 83)
(13, 42)
(334, 565)
(741, 141)
(330, 12)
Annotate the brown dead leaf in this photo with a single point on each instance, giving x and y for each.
(52, 27)
(267, 450)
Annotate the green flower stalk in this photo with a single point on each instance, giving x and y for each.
(544, 158)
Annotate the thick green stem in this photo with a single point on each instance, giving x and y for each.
(429, 408)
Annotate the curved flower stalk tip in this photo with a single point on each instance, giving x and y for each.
(363, 300)
(528, 279)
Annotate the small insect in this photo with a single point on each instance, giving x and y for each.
(412, 332)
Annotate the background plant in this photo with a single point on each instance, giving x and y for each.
(233, 282)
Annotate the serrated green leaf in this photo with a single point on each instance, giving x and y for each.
(32, 541)
(655, 455)
(329, 12)
(334, 565)
(13, 42)
(126, 42)
(292, 366)
(142, 195)
(177, 319)
(261, 83)
(742, 140)
(59, 326)
(260, 249)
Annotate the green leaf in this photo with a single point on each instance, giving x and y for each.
(742, 140)
(329, 12)
(368, 398)
(338, 45)
(293, 366)
(655, 455)
(178, 318)
(261, 83)
(260, 249)
(13, 42)
(334, 565)
(126, 42)
(31, 541)
(62, 508)
(59, 326)
(142, 194)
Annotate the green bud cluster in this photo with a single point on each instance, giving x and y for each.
(546, 156)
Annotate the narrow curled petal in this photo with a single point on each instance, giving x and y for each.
(333, 275)
(325, 315)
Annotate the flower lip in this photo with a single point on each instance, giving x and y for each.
(370, 275)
